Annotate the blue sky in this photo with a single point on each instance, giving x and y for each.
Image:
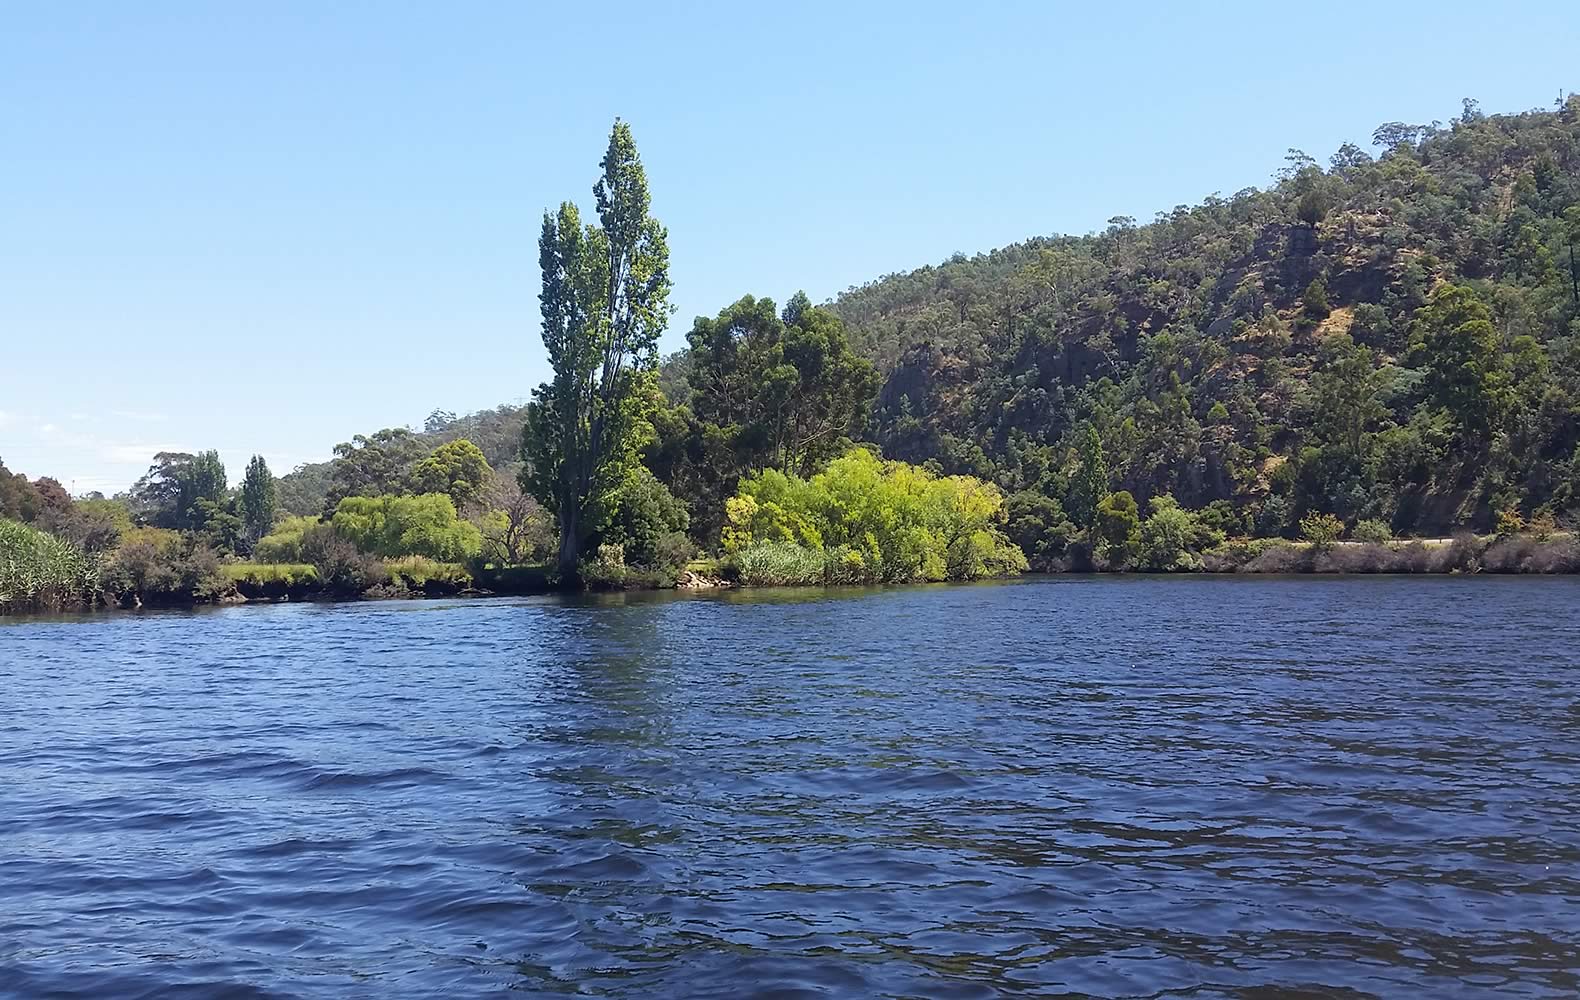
(264, 228)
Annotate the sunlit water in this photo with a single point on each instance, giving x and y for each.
(1173, 787)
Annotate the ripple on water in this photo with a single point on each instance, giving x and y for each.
(1118, 787)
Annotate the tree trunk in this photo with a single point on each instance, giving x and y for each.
(570, 547)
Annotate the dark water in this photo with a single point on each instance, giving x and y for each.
(1181, 787)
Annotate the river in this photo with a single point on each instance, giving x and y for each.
(1203, 787)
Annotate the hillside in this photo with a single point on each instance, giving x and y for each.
(1388, 337)
(1274, 348)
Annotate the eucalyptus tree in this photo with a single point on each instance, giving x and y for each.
(604, 302)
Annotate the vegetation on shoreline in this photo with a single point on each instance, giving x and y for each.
(1322, 376)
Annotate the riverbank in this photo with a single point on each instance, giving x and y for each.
(252, 583)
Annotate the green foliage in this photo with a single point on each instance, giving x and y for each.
(260, 500)
(428, 575)
(284, 543)
(645, 519)
(457, 469)
(779, 564)
(39, 572)
(1089, 485)
(1172, 538)
(1321, 530)
(994, 362)
(1314, 303)
(516, 529)
(93, 525)
(291, 575)
(219, 524)
(370, 466)
(603, 304)
(1117, 526)
(394, 526)
(343, 569)
(168, 495)
(19, 500)
(1372, 531)
(781, 391)
(162, 566)
(1454, 340)
(875, 521)
(1038, 525)
(1510, 522)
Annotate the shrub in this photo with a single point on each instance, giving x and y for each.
(1117, 526)
(1272, 519)
(273, 580)
(343, 569)
(1278, 557)
(1509, 522)
(1038, 525)
(1371, 530)
(646, 516)
(284, 543)
(888, 522)
(1528, 554)
(1542, 526)
(606, 570)
(290, 574)
(1321, 530)
(787, 564)
(160, 566)
(427, 575)
(395, 526)
(1170, 537)
(39, 572)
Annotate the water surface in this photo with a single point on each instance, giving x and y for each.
(1113, 787)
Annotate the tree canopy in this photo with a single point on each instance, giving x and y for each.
(604, 301)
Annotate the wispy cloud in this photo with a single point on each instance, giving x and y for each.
(141, 416)
(131, 454)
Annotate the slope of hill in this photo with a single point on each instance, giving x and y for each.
(1284, 350)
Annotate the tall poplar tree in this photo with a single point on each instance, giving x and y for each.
(605, 300)
(260, 500)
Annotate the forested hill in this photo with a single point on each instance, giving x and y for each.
(1390, 336)
(1387, 336)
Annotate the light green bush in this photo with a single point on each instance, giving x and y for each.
(39, 572)
(866, 520)
(289, 575)
(284, 543)
(1371, 531)
(422, 573)
(787, 564)
(395, 526)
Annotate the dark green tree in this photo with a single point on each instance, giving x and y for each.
(167, 495)
(457, 468)
(766, 390)
(1089, 485)
(605, 300)
(260, 501)
(372, 465)
(1454, 340)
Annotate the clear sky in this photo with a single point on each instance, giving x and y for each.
(267, 227)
